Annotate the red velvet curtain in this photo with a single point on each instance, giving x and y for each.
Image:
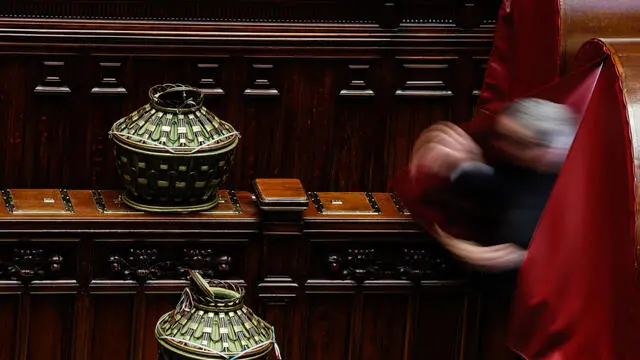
(577, 295)
(526, 54)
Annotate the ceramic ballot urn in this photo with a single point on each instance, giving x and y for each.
(173, 154)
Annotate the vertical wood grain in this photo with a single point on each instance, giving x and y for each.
(13, 105)
(139, 318)
(383, 326)
(9, 315)
(328, 326)
(22, 335)
(51, 327)
(112, 331)
(439, 325)
(81, 337)
(157, 305)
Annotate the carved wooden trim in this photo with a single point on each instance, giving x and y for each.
(261, 86)
(358, 87)
(109, 84)
(480, 67)
(53, 83)
(419, 82)
(209, 79)
(370, 263)
(31, 264)
(145, 264)
(151, 37)
(101, 286)
(386, 13)
(277, 290)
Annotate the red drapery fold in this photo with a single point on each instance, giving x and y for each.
(577, 294)
(526, 54)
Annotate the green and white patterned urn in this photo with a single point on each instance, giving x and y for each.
(173, 154)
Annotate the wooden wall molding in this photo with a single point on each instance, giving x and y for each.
(384, 13)
(312, 69)
(53, 83)
(261, 75)
(110, 79)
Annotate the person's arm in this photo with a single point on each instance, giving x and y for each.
(496, 258)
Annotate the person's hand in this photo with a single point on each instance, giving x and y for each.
(441, 148)
(496, 258)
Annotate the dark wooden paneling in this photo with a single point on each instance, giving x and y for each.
(350, 286)
(112, 327)
(336, 105)
(383, 326)
(448, 309)
(9, 313)
(310, 122)
(328, 325)
(345, 95)
(51, 319)
(156, 305)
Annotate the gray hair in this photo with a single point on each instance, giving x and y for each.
(553, 124)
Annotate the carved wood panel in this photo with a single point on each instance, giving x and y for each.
(363, 262)
(24, 262)
(338, 106)
(386, 13)
(144, 261)
(370, 288)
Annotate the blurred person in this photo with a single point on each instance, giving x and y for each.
(531, 138)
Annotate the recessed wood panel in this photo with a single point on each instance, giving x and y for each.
(156, 305)
(279, 310)
(112, 330)
(8, 325)
(51, 319)
(383, 326)
(328, 326)
(439, 325)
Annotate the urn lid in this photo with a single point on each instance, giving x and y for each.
(212, 322)
(174, 121)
